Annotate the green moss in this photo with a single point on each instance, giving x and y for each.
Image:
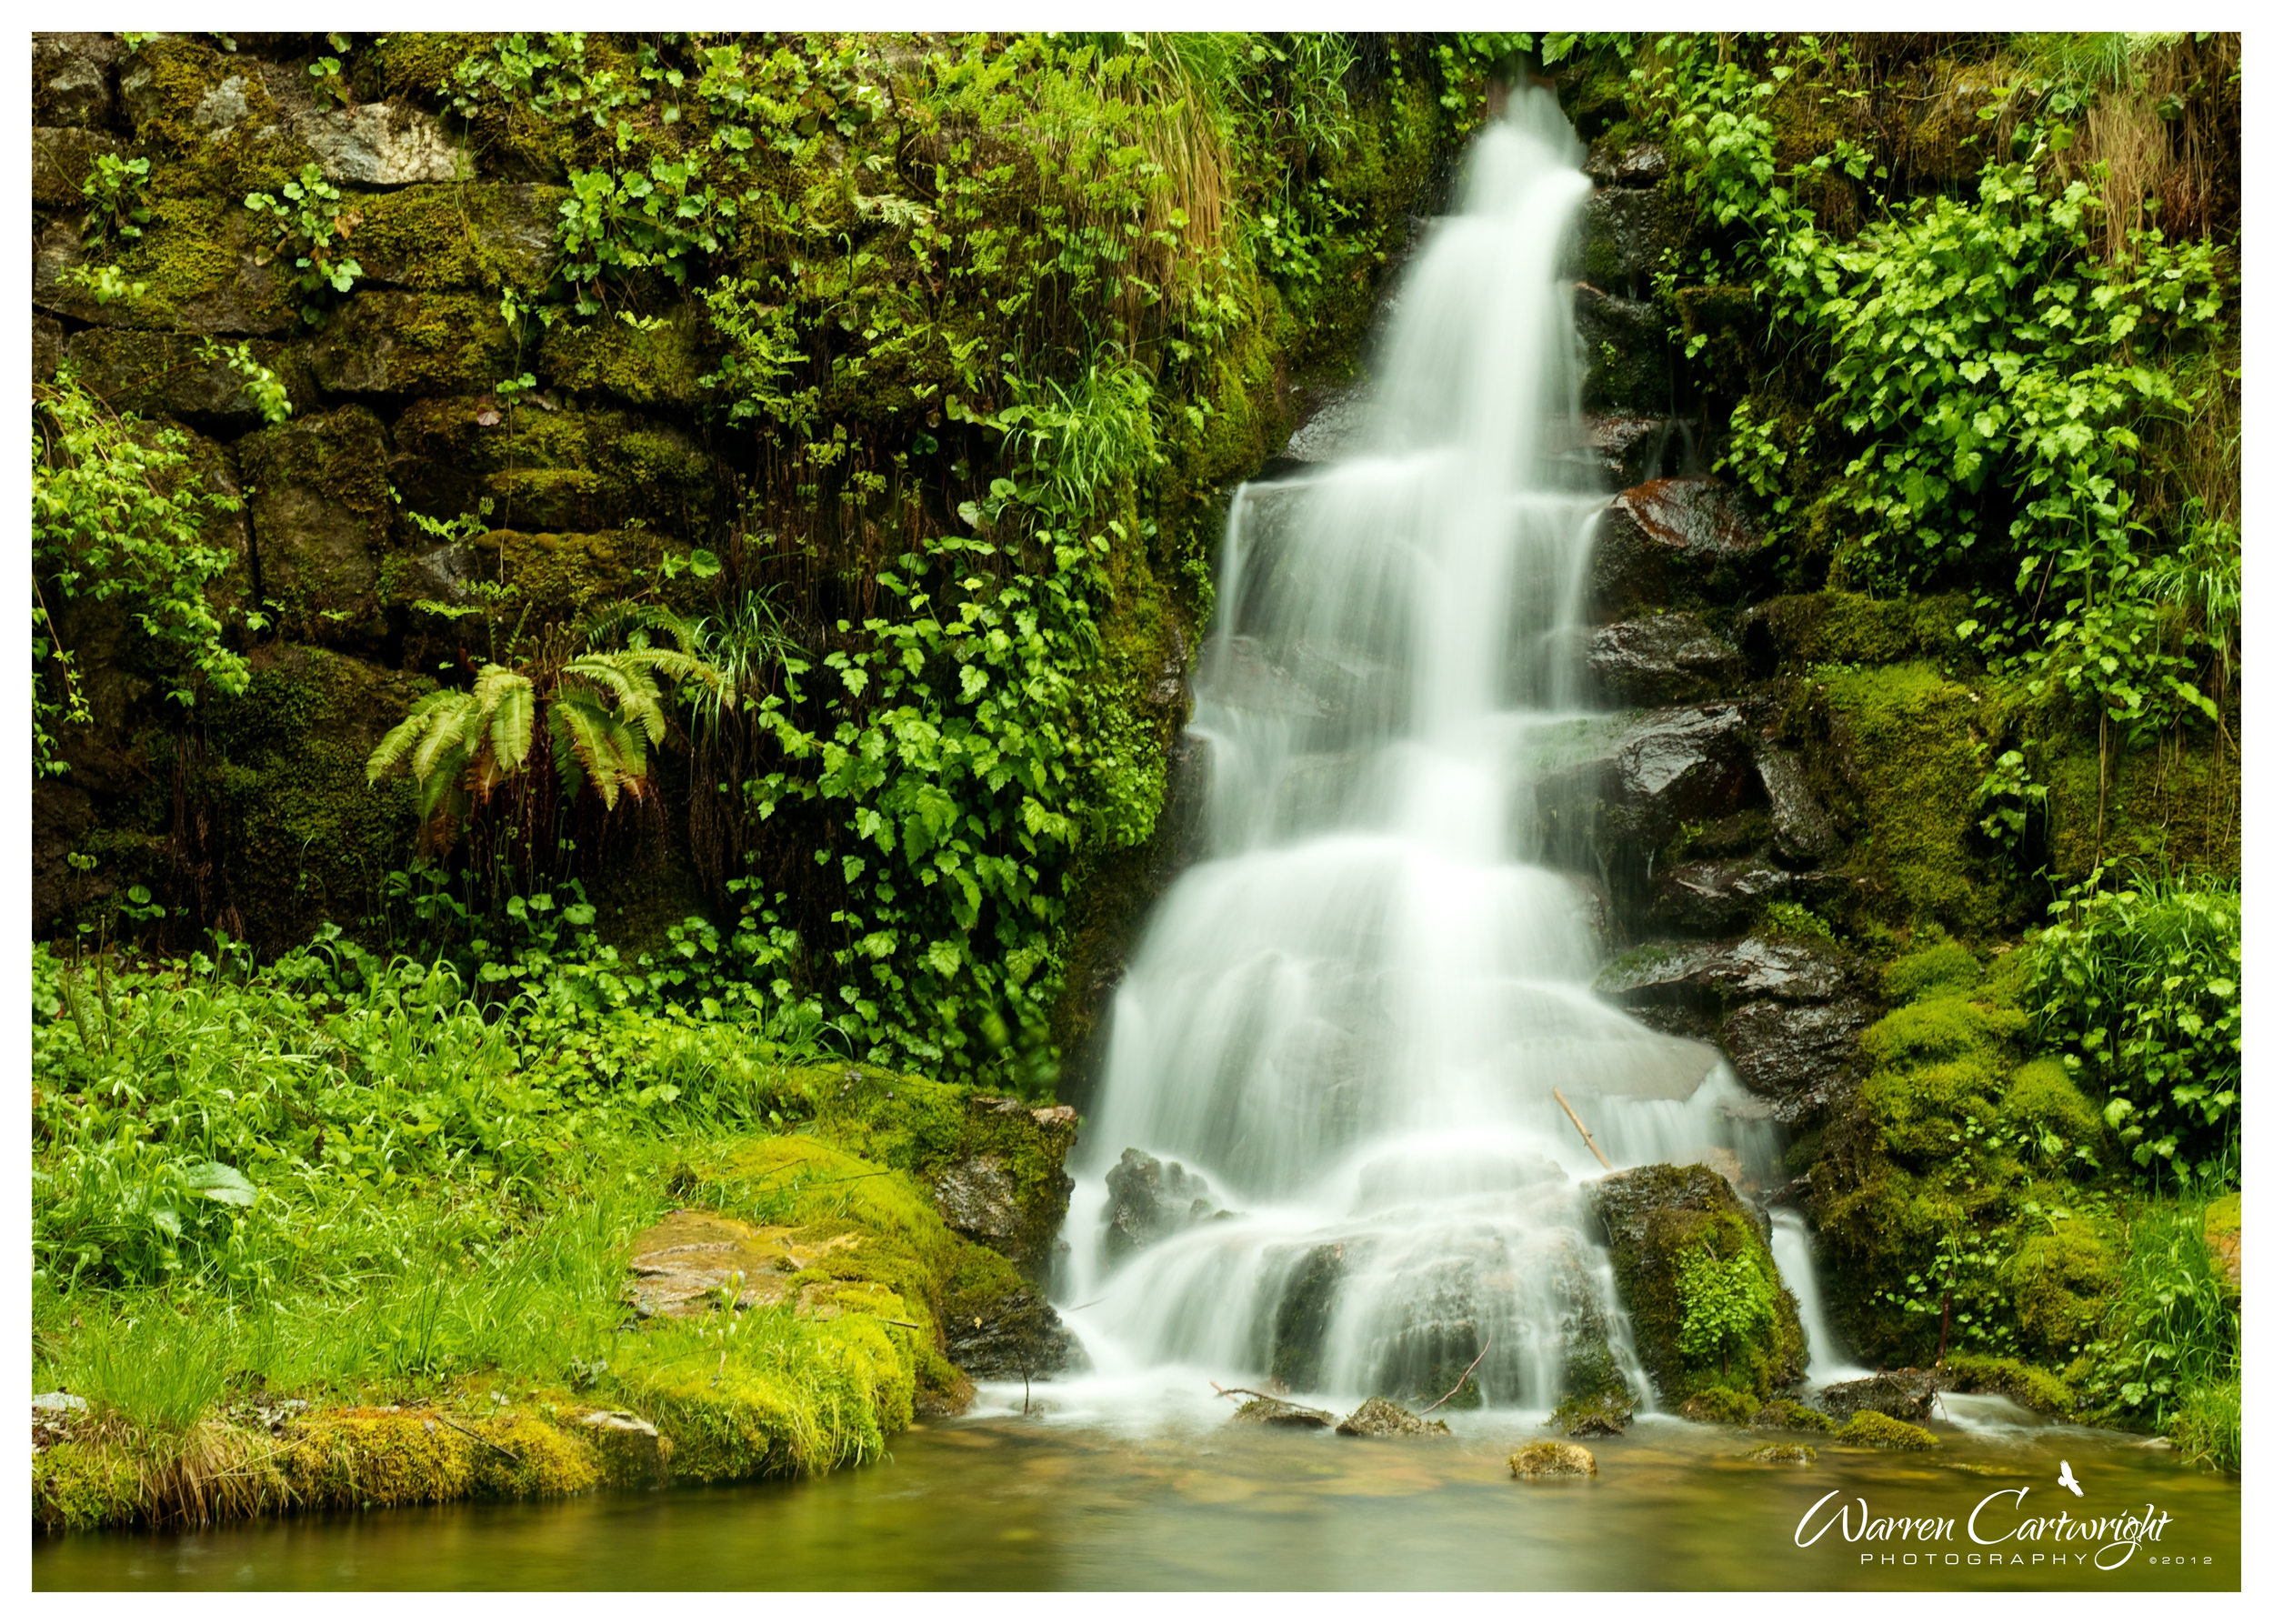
(557, 577)
(2062, 1280)
(658, 365)
(1720, 1404)
(385, 343)
(196, 260)
(351, 1459)
(1945, 968)
(2164, 810)
(2028, 1385)
(208, 119)
(85, 1485)
(435, 238)
(1884, 1432)
(1792, 1416)
(1909, 749)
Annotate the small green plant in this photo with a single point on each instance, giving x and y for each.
(1724, 1303)
(312, 227)
(107, 283)
(326, 73)
(117, 209)
(269, 394)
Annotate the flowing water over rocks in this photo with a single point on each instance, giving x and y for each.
(1329, 1149)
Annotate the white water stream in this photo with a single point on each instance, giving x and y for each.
(1348, 1020)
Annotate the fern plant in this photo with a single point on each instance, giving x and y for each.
(601, 712)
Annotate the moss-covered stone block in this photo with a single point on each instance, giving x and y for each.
(649, 364)
(165, 375)
(437, 238)
(1833, 627)
(385, 343)
(217, 123)
(1873, 1430)
(553, 469)
(1653, 1219)
(203, 266)
(2176, 807)
(73, 77)
(321, 515)
(557, 576)
(62, 157)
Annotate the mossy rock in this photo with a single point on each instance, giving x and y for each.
(2029, 1386)
(1790, 1416)
(163, 374)
(2179, 809)
(1592, 1418)
(1884, 1432)
(556, 576)
(1783, 1455)
(1539, 1461)
(1721, 1405)
(2062, 1282)
(214, 122)
(385, 343)
(1650, 1218)
(1381, 1417)
(1945, 968)
(658, 365)
(1833, 627)
(440, 239)
(207, 266)
(322, 514)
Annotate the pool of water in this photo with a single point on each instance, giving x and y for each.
(1008, 1502)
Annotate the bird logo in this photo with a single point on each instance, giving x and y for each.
(2068, 1481)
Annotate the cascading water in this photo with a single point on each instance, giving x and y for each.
(1345, 1027)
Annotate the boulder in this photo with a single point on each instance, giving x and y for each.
(1904, 1394)
(1796, 1054)
(1332, 417)
(1714, 977)
(1623, 234)
(1655, 1220)
(1803, 834)
(165, 375)
(379, 144)
(1715, 897)
(1661, 659)
(1549, 1460)
(1017, 1334)
(1623, 343)
(386, 343)
(1006, 1186)
(1378, 1418)
(1784, 1455)
(480, 235)
(72, 77)
(214, 274)
(1636, 164)
(1790, 1416)
(1592, 1417)
(1151, 1201)
(1632, 448)
(1672, 544)
(632, 1452)
(1305, 1313)
(1878, 1431)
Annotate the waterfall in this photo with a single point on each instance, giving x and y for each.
(1343, 1028)
(1794, 1251)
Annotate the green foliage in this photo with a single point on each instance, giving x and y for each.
(116, 189)
(270, 395)
(1884, 1432)
(2139, 991)
(115, 515)
(2172, 1339)
(1725, 1302)
(312, 226)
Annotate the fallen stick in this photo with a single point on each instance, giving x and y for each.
(1487, 1342)
(478, 1438)
(1223, 1392)
(1581, 1127)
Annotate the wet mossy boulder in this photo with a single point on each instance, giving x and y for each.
(165, 374)
(998, 1326)
(1906, 1394)
(1783, 1455)
(1788, 1415)
(1151, 1201)
(487, 235)
(556, 575)
(1281, 1412)
(1833, 627)
(1717, 898)
(1877, 1431)
(1626, 358)
(1380, 1418)
(658, 363)
(62, 157)
(1719, 1406)
(1600, 1416)
(1673, 545)
(1659, 1222)
(1661, 659)
(1538, 1462)
(2029, 1386)
(1305, 1313)
(75, 77)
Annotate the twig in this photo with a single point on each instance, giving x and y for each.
(1581, 1127)
(1487, 1342)
(478, 1438)
(1225, 1393)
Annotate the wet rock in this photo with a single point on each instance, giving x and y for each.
(1803, 834)
(1333, 419)
(386, 343)
(1784, 1455)
(1630, 448)
(1547, 1460)
(1906, 1394)
(1716, 976)
(1279, 1412)
(1017, 1334)
(1637, 164)
(1623, 344)
(1661, 659)
(378, 143)
(1622, 236)
(487, 232)
(1788, 1051)
(1151, 1201)
(1672, 544)
(1378, 1418)
(1715, 898)
(1304, 1314)
(1592, 1417)
(46, 348)
(1650, 1219)
(72, 77)
(1790, 1416)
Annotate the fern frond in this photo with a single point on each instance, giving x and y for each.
(407, 732)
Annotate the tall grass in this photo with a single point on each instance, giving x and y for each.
(2173, 1353)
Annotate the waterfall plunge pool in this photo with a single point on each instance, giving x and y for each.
(1054, 1501)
